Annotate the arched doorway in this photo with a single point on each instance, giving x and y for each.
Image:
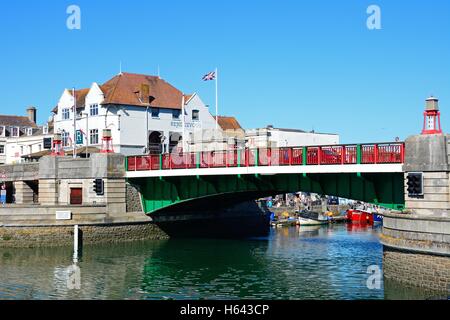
(175, 139)
(155, 142)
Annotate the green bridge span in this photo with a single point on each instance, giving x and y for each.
(370, 173)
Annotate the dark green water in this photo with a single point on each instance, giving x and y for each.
(292, 263)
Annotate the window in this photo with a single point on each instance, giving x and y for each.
(65, 114)
(2, 149)
(39, 147)
(65, 139)
(430, 122)
(45, 130)
(2, 131)
(93, 136)
(15, 132)
(176, 114)
(94, 110)
(29, 131)
(21, 150)
(155, 112)
(195, 115)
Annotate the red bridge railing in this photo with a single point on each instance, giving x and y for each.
(383, 153)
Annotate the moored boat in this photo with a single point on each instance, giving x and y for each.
(311, 219)
(284, 223)
(360, 216)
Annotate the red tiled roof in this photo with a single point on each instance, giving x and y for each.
(81, 97)
(134, 89)
(228, 123)
(187, 97)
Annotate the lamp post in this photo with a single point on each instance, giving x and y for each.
(87, 132)
(74, 142)
(150, 100)
(147, 147)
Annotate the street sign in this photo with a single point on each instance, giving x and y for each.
(47, 143)
(79, 137)
(63, 215)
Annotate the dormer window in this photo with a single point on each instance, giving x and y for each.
(29, 131)
(65, 114)
(94, 110)
(2, 131)
(15, 132)
(45, 130)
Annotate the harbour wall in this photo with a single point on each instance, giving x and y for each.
(44, 191)
(56, 236)
(417, 241)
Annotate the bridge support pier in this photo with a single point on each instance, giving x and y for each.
(24, 193)
(417, 241)
(48, 192)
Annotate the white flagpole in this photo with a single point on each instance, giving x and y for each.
(217, 100)
(183, 124)
(74, 142)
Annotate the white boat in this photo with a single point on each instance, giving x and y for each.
(309, 218)
(311, 222)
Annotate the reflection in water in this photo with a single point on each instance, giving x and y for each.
(292, 263)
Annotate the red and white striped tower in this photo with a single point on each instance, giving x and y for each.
(432, 117)
(57, 149)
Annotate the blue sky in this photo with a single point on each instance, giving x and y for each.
(290, 63)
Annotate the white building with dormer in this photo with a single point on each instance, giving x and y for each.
(21, 137)
(143, 113)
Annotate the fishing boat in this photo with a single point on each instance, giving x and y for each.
(360, 216)
(307, 218)
(283, 223)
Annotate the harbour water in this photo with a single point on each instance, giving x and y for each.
(299, 263)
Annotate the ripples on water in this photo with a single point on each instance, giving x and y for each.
(292, 263)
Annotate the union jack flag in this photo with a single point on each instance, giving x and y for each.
(210, 76)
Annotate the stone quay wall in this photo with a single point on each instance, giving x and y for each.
(112, 216)
(417, 269)
(417, 241)
(133, 198)
(58, 236)
(417, 250)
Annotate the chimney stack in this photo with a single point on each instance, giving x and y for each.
(145, 93)
(31, 111)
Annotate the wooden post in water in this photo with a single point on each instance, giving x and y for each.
(75, 243)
